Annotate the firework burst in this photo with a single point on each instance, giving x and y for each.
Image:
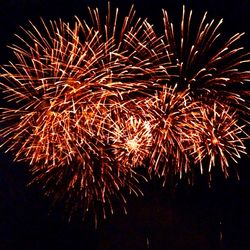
(59, 91)
(131, 140)
(41, 84)
(207, 71)
(205, 65)
(218, 137)
(171, 115)
(88, 104)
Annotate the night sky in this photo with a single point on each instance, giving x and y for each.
(179, 216)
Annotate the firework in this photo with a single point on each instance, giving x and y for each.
(131, 140)
(205, 65)
(207, 71)
(41, 85)
(218, 137)
(88, 184)
(59, 91)
(171, 115)
(88, 104)
(187, 134)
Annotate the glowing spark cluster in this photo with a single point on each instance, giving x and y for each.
(89, 104)
(218, 137)
(172, 115)
(132, 141)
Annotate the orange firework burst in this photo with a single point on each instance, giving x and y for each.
(204, 64)
(131, 140)
(87, 104)
(59, 91)
(218, 137)
(171, 115)
(88, 183)
(205, 73)
(42, 85)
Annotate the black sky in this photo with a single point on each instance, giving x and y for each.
(183, 218)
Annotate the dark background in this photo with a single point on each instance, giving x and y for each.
(183, 217)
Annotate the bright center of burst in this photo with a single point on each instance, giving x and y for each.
(132, 144)
(215, 141)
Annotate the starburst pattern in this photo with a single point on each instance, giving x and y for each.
(89, 104)
(131, 141)
(172, 116)
(205, 64)
(207, 71)
(61, 89)
(218, 137)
